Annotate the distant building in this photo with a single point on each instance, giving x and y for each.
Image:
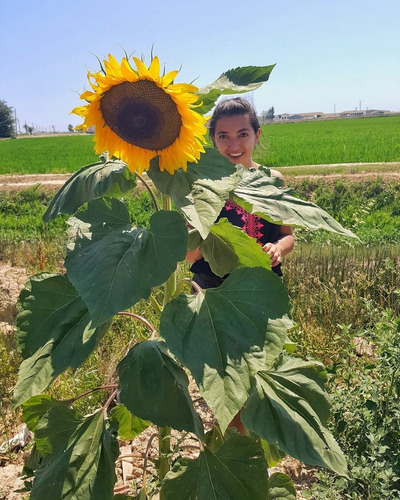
(299, 116)
(362, 112)
(318, 115)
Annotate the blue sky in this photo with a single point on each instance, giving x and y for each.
(329, 54)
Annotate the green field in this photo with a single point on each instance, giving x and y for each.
(366, 140)
(340, 141)
(41, 155)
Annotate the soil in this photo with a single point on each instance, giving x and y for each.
(9, 183)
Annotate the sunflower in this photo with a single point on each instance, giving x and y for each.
(139, 114)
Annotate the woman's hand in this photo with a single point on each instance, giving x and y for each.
(275, 253)
(282, 247)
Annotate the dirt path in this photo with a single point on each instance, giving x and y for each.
(9, 183)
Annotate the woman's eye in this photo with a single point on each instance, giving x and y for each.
(244, 134)
(222, 137)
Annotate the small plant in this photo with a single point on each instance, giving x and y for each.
(366, 411)
(233, 340)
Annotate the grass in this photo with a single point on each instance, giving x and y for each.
(43, 155)
(370, 208)
(338, 141)
(329, 287)
(367, 140)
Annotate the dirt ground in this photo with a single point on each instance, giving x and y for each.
(9, 183)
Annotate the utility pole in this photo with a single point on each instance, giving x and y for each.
(16, 123)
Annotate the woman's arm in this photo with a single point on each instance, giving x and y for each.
(194, 255)
(285, 242)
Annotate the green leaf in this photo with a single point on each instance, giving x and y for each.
(129, 426)
(34, 409)
(122, 263)
(259, 193)
(154, 387)
(273, 455)
(228, 247)
(194, 240)
(110, 178)
(55, 332)
(80, 469)
(32, 462)
(226, 334)
(101, 218)
(201, 191)
(281, 487)
(292, 397)
(236, 471)
(233, 81)
(55, 428)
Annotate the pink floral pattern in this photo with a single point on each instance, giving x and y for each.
(251, 222)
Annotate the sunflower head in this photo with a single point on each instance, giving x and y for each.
(138, 114)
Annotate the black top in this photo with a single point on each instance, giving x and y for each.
(256, 227)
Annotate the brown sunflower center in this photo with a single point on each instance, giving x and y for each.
(142, 114)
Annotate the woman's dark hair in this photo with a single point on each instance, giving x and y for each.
(233, 107)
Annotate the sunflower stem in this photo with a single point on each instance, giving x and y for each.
(170, 284)
(164, 433)
(164, 438)
(150, 191)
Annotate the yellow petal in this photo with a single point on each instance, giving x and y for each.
(141, 67)
(154, 69)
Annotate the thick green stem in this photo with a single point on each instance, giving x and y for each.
(164, 433)
(170, 284)
(164, 438)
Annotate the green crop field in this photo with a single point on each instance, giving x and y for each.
(365, 140)
(41, 155)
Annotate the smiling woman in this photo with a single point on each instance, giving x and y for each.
(235, 130)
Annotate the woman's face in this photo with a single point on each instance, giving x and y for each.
(235, 138)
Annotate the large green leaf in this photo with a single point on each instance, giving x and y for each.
(34, 408)
(122, 263)
(281, 487)
(233, 81)
(226, 334)
(260, 193)
(236, 471)
(228, 247)
(55, 428)
(128, 425)
(110, 178)
(201, 191)
(82, 466)
(289, 407)
(154, 387)
(55, 332)
(102, 217)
